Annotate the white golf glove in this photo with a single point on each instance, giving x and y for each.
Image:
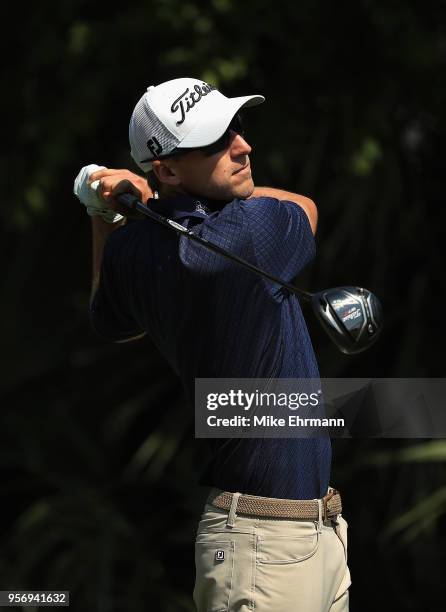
(87, 195)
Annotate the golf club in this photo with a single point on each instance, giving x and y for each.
(352, 316)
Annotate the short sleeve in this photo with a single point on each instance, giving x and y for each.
(281, 236)
(108, 311)
(227, 229)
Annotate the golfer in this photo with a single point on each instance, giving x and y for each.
(271, 537)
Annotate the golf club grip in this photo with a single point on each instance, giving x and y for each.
(133, 203)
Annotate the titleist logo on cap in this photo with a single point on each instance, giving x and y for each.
(185, 102)
(169, 117)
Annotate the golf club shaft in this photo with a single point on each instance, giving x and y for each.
(132, 202)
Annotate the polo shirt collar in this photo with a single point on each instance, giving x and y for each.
(181, 206)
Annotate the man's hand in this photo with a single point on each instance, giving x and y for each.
(110, 183)
(97, 187)
(85, 190)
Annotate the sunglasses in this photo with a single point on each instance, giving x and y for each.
(216, 147)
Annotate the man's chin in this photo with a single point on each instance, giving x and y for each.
(244, 191)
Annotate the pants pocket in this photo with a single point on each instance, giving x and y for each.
(214, 562)
(285, 550)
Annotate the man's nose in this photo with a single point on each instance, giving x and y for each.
(239, 146)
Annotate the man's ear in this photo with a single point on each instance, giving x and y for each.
(165, 172)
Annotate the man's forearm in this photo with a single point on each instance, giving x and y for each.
(280, 194)
(111, 184)
(101, 231)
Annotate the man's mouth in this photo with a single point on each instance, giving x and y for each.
(244, 168)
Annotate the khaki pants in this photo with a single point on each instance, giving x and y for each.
(270, 565)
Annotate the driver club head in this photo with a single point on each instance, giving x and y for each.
(352, 317)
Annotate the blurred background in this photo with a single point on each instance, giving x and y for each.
(97, 453)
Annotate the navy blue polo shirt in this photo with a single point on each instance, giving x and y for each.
(211, 318)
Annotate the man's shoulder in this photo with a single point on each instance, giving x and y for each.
(252, 201)
(267, 211)
(128, 233)
(245, 206)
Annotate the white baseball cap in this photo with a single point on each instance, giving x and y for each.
(184, 113)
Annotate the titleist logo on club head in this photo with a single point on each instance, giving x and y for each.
(185, 102)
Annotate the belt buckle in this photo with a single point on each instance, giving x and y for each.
(325, 501)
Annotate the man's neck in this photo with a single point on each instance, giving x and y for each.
(170, 192)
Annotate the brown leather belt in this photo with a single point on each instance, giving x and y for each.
(280, 508)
